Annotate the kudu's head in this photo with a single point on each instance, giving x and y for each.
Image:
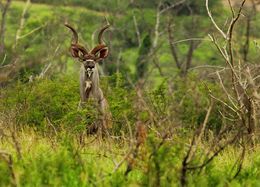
(88, 58)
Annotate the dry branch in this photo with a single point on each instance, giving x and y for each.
(4, 10)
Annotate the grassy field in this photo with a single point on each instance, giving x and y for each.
(65, 160)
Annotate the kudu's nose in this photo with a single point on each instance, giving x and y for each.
(91, 66)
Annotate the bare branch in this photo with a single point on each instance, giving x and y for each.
(231, 8)
(22, 21)
(213, 21)
(189, 39)
(234, 20)
(196, 138)
(156, 28)
(1, 5)
(192, 47)
(4, 8)
(231, 99)
(172, 46)
(172, 6)
(158, 14)
(31, 32)
(207, 66)
(137, 30)
(230, 32)
(215, 153)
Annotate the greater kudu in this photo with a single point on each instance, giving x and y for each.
(89, 75)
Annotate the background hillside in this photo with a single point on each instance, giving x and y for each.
(181, 80)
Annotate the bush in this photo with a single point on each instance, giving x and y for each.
(56, 100)
(41, 99)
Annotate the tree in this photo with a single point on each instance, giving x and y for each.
(4, 9)
(142, 61)
(193, 28)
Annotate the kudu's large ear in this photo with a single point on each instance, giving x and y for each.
(77, 51)
(100, 51)
(103, 53)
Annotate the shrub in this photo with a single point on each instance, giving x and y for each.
(41, 99)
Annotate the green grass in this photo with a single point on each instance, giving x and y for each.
(60, 160)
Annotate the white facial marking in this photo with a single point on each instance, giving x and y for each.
(89, 72)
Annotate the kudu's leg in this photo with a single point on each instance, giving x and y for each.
(82, 88)
(104, 110)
